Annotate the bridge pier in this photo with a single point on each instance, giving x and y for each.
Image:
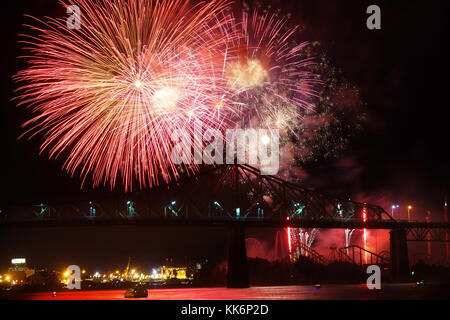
(399, 255)
(238, 275)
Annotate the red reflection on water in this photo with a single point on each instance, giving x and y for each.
(302, 292)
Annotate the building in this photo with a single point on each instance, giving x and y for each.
(18, 272)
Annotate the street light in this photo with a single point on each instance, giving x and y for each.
(409, 209)
(130, 209)
(394, 206)
(91, 209)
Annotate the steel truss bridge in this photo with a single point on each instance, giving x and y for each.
(236, 196)
(219, 196)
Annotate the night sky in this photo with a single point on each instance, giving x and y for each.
(399, 157)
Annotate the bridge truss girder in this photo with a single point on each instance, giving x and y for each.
(424, 233)
(225, 194)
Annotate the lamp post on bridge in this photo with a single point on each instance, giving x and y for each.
(446, 232)
(409, 210)
(428, 220)
(394, 206)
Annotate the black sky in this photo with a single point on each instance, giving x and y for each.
(402, 73)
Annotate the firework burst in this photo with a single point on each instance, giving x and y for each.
(108, 96)
(268, 77)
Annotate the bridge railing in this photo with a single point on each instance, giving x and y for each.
(303, 250)
(360, 256)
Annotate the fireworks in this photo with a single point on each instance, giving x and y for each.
(338, 113)
(108, 96)
(322, 133)
(268, 76)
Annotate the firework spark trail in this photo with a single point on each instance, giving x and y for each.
(298, 236)
(364, 216)
(347, 237)
(108, 96)
(288, 231)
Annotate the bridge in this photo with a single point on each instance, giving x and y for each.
(237, 197)
(357, 255)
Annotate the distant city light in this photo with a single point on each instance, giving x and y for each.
(18, 261)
